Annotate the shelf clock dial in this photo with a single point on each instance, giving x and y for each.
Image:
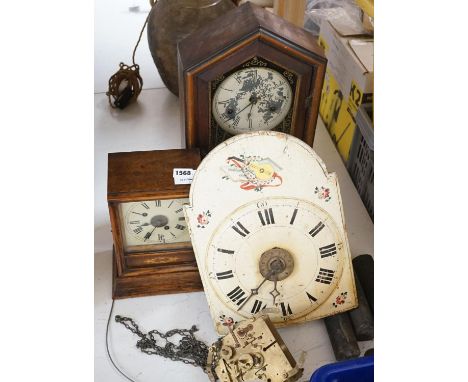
(155, 222)
(252, 99)
(283, 253)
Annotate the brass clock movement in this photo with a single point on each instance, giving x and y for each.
(152, 249)
(249, 70)
(267, 227)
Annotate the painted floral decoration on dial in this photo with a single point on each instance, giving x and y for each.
(252, 99)
(155, 222)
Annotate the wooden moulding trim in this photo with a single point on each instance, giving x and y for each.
(148, 285)
(142, 196)
(118, 251)
(186, 267)
(190, 111)
(315, 104)
(292, 48)
(183, 256)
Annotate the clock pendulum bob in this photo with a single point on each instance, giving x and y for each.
(342, 337)
(361, 317)
(364, 267)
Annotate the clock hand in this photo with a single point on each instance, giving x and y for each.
(274, 293)
(240, 111)
(252, 101)
(137, 213)
(249, 115)
(148, 236)
(254, 291)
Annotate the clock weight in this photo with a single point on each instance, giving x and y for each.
(361, 317)
(342, 337)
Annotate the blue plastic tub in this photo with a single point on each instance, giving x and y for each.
(354, 370)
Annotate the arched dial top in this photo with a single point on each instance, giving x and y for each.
(155, 222)
(252, 99)
(277, 252)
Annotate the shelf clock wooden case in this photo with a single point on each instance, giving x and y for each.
(152, 252)
(249, 70)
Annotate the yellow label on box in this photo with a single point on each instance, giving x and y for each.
(323, 43)
(342, 130)
(331, 101)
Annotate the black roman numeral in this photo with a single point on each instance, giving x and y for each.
(228, 251)
(224, 275)
(180, 226)
(170, 204)
(311, 298)
(179, 210)
(135, 222)
(237, 294)
(293, 217)
(145, 205)
(285, 310)
(236, 121)
(148, 235)
(138, 230)
(181, 218)
(160, 237)
(157, 203)
(257, 307)
(269, 218)
(314, 231)
(240, 229)
(325, 276)
(328, 250)
(174, 236)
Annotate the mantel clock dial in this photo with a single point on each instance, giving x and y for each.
(154, 222)
(267, 228)
(249, 70)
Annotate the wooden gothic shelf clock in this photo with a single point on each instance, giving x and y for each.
(268, 231)
(249, 70)
(152, 252)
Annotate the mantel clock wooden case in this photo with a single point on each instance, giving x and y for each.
(249, 70)
(152, 251)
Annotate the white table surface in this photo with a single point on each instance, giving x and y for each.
(151, 124)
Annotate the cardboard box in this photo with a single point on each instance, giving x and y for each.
(349, 80)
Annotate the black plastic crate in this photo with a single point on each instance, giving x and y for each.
(361, 157)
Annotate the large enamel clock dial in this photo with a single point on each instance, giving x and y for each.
(267, 229)
(277, 252)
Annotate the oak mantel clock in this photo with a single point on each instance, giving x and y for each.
(249, 70)
(267, 227)
(152, 251)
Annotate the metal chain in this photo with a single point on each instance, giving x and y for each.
(189, 350)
